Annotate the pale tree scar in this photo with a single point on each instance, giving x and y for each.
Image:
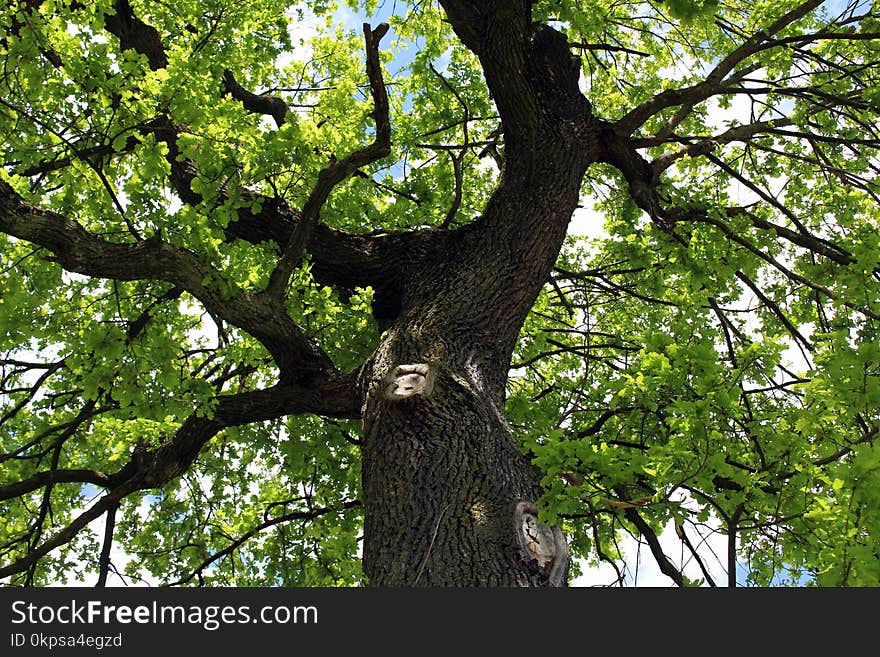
(409, 380)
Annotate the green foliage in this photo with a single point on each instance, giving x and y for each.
(718, 375)
(135, 361)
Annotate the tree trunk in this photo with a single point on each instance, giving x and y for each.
(449, 499)
(447, 494)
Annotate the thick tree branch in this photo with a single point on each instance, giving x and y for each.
(332, 397)
(338, 258)
(666, 566)
(68, 533)
(153, 468)
(47, 477)
(529, 69)
(256, 103)
(136, 35)
(104, 559)
(79, 251)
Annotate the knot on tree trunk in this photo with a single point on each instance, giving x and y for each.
(545, 548)
(406, 381)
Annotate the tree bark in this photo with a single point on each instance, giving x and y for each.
(441, 479)
(442, 475)
(448, 497)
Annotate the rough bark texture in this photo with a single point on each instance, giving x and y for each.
(442, 474)
(441, 478)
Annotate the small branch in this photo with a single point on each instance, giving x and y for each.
(732, 527)
(701, 217)
(608, 48)
(457, 158)
(338, 170)
(808, 241)
(827, 36)
(763, 194)
(104, 560)
(32, 392)
(80, 154)
(150, 469)
(739, 133)
(135, 327)
(388, 188)
(456, 199)
(596, 427)
(679, 531)
(645, 530)
(799, 339)
(593, 516)
(88, 411)
(238, 542)
(712, 83)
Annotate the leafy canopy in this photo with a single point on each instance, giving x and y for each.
(712, 369)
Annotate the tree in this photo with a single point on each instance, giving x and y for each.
(309, 313)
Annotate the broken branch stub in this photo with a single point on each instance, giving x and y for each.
(543, 545)
(409, 380)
